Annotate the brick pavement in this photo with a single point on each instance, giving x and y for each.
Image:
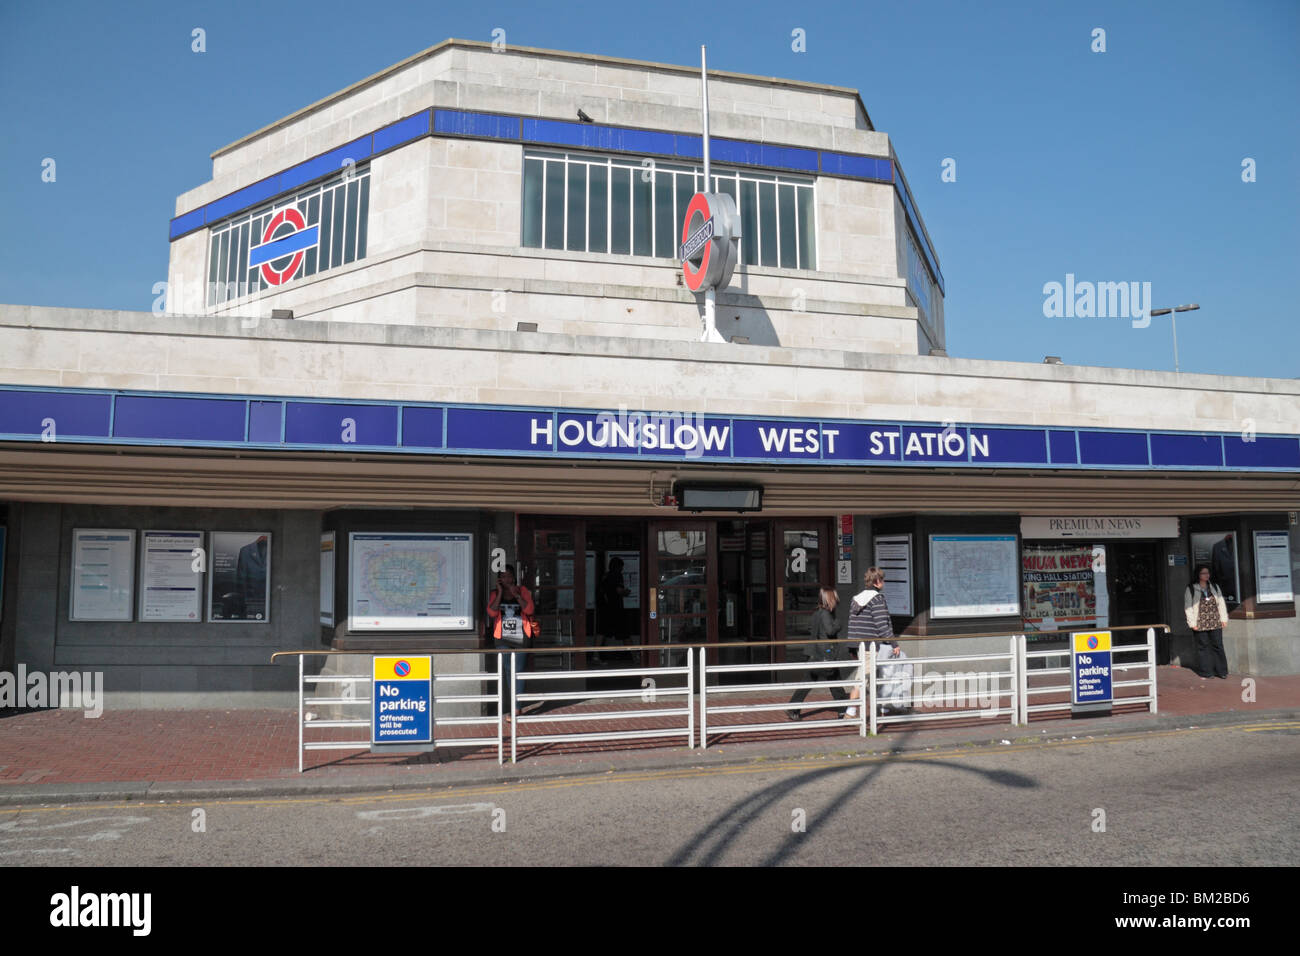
(48, 747)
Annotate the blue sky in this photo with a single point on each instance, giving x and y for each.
(1117, 166)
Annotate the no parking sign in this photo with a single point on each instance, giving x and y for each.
(401, 700)
(1090, 670)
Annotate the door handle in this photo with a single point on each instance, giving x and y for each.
(780, 598)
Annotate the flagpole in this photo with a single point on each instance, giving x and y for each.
(710, 294)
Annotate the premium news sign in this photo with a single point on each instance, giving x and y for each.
(1097, 526)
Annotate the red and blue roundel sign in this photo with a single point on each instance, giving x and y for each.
(1092, 642)
(710, 240)
(284, 243)
(402, 668)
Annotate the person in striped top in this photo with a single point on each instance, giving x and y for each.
(869, 620)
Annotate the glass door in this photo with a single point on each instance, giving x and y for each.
(744, 594)
(556, 574)
(803, 568)
(680, 596)
(615, 592)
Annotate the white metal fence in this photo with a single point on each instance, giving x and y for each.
(1147, 648)
(647, 693)
(899, 690)
(943, 692)
(706, 711)
(346, 700)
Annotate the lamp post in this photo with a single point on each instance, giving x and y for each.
(1173, 321)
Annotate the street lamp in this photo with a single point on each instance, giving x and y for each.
(1173, 321)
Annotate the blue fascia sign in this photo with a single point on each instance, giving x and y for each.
(231, 421)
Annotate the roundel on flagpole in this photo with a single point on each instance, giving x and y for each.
(710, 241)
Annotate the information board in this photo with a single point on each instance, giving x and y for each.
(1273, 567)
(410, 581)
(103, 574)
(401, 700)
(327, 563)
(973, 575)
(894, 558)
(171, 579)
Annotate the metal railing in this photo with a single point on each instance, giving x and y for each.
(1148, 664)
(306, 723)
(950, 690)
(650, 694)
(758, 708)
(999, 691)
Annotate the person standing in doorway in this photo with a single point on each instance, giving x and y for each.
(510, 609)
(609, 603)
(1207, 613)
(824, 628)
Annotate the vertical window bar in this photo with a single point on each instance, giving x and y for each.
(336, 245)
(214, 256)
(350, 236)
(363, 217)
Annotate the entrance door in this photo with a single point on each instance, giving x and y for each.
(803, 568)
(1134, 567)
(680, 600)
(556, 572)
(744, 589)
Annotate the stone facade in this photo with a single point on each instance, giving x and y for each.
(444, 245)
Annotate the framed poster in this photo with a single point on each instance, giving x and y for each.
(973, 575)
(1064, 586)
(1218, 551)
(893, 555)
(103, 574)
(239, 577)
(1273, 567)
(410, 581)
(171, 589)
(327, 562)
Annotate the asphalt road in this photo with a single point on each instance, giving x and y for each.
(1217, 795)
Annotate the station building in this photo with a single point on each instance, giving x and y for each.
(436, 322)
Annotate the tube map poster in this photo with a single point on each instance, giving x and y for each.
(410, 581)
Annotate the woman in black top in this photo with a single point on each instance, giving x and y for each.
(825, 627)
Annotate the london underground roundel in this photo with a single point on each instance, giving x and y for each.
(710, 241)
(284, 242)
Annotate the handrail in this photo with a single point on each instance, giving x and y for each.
(572, 649)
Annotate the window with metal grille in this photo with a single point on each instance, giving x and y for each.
(333, 217)
(626, 206)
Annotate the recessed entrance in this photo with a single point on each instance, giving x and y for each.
(723, 582)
